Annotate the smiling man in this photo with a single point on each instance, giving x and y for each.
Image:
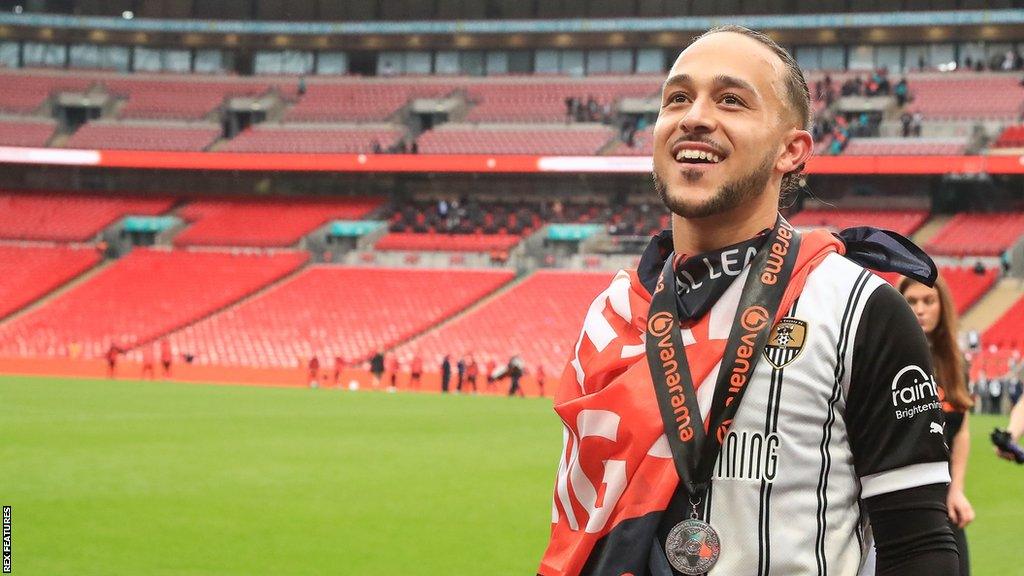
(750, 400)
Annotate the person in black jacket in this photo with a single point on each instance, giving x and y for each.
(377, 368)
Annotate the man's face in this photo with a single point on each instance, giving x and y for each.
(722, 125)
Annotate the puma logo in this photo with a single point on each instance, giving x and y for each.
(935, 427)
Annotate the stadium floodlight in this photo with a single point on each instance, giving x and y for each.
(127, 14)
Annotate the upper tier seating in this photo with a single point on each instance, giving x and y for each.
(364, 100)
(270, 222)
(538, 319)
(1005, 332)
(905, 147)
(544, 100)
(978, 234)
(189, 98)
(643, 144)
(967, 286)
(966, 96)
(68, 218)
(31, 132)
(141, 296)
(436, 241)
(904, 222)
(1011, 137)
(24, 93)
(462, 139)
(31, 272)
(330, 312)
(144, 136)
(312, 139)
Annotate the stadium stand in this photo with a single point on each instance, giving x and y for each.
(960, 237)
(966, 285)
(187, 98)
(580, 139)
(1011, 137)
(362, 101)
(1005, 332)
(545, 100)
(28, 132)
(313, 138)
(25, 92)
(141, 296)
(30, 272)
(263, 223)
(331, 311)
(643, 144)
(145, 136)
(434, 241)
(904, 222)
(538, 318)
(978, 96)
(905, 146)
(67, 217)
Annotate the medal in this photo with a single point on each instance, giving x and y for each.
(692, 547)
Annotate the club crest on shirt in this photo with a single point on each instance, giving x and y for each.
(785, 342)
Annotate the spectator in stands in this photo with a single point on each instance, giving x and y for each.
(906, 123)
(112, 353)
(166, 357)
(446, 373)
(377, 368)
(915, 126)
(376, 147)
(339, 365)
(936, 314)
(901, 92)
(314, 371)
(416, 372)
(301, 88)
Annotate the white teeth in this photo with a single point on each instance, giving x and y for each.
(697, 155)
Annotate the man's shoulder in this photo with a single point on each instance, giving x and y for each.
(840, 275)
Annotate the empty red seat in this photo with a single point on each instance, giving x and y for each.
(144, 136)
(433, 241)
(540, 319)
(29, 132)
(30, 272)
(561, 140)
(68, 217)
(332, 311)
(978, 234)
(905, 222)
(311, 139)
(277, 222)
(139, 297)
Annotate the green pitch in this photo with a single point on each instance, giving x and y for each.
(160, 479)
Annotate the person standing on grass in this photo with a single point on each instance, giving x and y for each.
(937, 317)
(539, 376)
(377, 368)
(112, 353)
(393, 373)
(147, 361)
(515, 373)
(491, 366)
(461, 369)
(446, 373)
(416, 370)
(314, 372)
(472, 371)
(339, 365)
(751, 399)
(166, 357)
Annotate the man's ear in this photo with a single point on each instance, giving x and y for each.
(798, 149)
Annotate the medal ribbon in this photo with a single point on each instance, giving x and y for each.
(695, 445)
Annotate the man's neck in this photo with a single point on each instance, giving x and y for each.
(697, 235)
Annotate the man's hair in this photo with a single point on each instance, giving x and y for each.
(798, 96)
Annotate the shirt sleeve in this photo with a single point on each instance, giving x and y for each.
(893, 412)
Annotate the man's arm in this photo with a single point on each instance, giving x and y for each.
(895, 422)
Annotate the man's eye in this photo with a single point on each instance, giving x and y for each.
(678, 98)
(731, 100)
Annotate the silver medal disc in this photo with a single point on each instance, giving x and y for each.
(692, 547)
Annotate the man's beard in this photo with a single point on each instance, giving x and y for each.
(729, 195)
